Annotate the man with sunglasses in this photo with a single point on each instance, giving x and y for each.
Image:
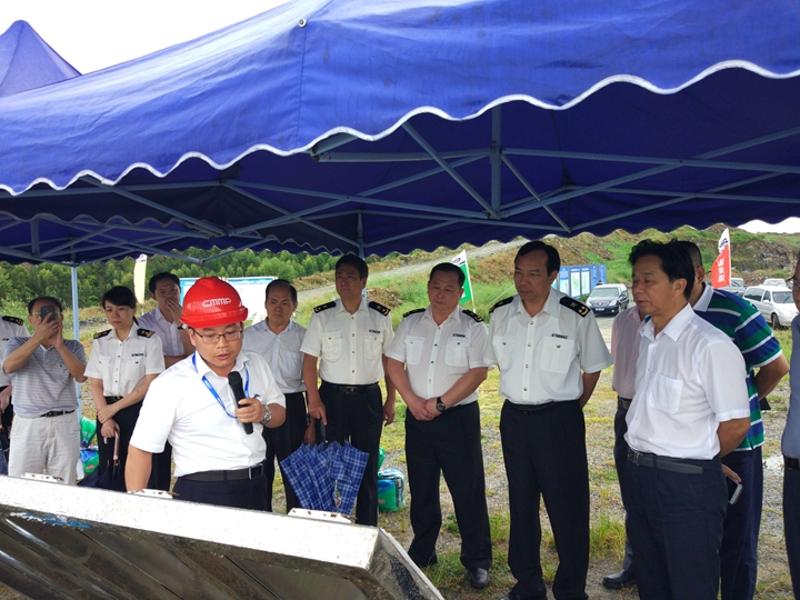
(46, 433)
(217, 444)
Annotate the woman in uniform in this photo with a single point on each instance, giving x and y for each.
(123, 362)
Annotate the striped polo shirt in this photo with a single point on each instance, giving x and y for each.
(751, 333)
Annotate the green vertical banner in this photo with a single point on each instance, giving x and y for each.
(461, 262)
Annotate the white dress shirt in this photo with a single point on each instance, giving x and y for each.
(625, 340)
(179, 408)
(350, 346)
(10, 327)
(685, 387)
(169, 334)
(281, 351)
(122, 364)
(436, 356)
(542, 357)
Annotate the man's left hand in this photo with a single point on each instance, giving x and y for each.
(388, 412)
(250, 410)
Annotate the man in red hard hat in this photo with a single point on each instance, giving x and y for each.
(217, 444)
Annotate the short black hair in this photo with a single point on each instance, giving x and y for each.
(446, 267)
(48, 299)
(357, 262)
(119, 295)
(153, 282)
(675, 260)
(553, 259)
(694, 252)
(278, 283)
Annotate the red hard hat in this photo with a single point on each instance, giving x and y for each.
(211, 302)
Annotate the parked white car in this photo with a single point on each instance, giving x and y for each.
(774, 303)
(774, 282)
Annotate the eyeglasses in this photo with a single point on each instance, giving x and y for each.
(213, 338)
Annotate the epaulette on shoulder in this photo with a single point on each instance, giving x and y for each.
(472, 315)
(413, 312)
(14, 320)
(145, 332)
(379, 307)
(101, 334)
(578, 307)
(502, 302)
(325, 306)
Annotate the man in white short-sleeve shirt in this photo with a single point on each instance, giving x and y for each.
(217, 443)
(437, 361)
(690, 407)
(550, 353)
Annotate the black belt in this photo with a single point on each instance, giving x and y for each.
(536, 408)
(623, 403)
(791, 463)
(236, 475)
(57, 413)
(667, 463)
(351, 389)
(112, 399)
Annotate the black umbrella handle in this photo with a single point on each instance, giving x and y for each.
(323, 433)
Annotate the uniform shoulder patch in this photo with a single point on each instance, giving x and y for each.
(145, 332)
(14, 320)
(578, 307)
(379, 307)
(472, 315)
(325, 306)
(502, 302)
(101, 334)
(413, 312)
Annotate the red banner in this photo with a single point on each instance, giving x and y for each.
(721, 269)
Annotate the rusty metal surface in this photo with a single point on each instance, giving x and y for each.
(69, 542)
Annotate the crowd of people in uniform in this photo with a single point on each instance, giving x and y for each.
(189, 385)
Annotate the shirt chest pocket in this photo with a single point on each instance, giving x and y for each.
(413, 350)
(664, 393)
(557, 354)
(502, 351)
(456, 352)
(374, 344)
(332, 345)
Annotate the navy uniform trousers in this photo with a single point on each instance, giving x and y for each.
(282, 441)
(739, 551)
(791, 519)
(449, 444)
(355, 415)
(675, 511)
(620, 459)
(243, 488)
(544, 448)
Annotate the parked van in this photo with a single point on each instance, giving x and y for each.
(774, 303)
(608, 298)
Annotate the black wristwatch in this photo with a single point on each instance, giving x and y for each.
(440, 406)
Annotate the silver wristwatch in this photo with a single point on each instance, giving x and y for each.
(267, 416)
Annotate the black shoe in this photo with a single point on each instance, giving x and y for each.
(617, 581)
(478, 578)
(427, 563)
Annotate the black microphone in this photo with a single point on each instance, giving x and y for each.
(235, 381)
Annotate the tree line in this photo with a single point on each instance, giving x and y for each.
(19, 283)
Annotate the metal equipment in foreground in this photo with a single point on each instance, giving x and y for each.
(59, 541)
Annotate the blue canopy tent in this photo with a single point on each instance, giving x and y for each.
(401, 124)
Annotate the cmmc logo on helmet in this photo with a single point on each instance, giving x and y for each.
(211, 302)
(216, 302)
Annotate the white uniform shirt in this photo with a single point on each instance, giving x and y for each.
(122, 364)
(541, 357)
(350, 347)
(179, 408)
(281, 351)
(10, 327)
(169, 334)
(436, 356)
(625, 340)
(684, 388)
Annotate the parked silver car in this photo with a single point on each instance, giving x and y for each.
(774, 303)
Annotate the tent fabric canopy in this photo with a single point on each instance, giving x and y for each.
(399, 124)
(28, 62)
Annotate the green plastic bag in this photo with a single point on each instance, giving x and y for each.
(381, 456)
(88, 429)
(391, 488)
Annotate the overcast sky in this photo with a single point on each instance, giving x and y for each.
(93, 34)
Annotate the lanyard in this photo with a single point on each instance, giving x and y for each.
(215, 393)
